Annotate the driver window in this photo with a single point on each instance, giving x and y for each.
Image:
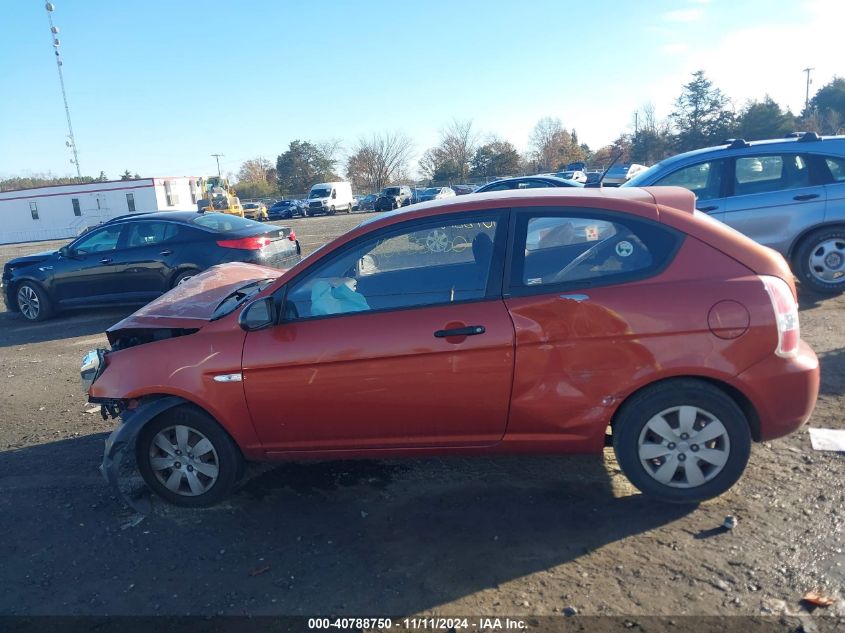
(99, 241)
(421, 265)
(560, 249)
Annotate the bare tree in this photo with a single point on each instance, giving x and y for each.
(379, 160)
(458, 142)
(551, 144)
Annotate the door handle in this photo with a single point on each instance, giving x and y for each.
(712, 207)
(166, 252)
(470, 330)
(806, 196)
(105, 260)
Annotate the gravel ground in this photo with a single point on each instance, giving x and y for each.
(506, 536)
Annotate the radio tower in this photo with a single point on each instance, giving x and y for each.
(54, 35)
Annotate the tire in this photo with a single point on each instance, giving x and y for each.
(643, 454)
(332, 211)
(183, 276)
(206, 479)
(33, 302)
(822, 255)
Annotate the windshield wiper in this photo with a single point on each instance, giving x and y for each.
(238, 297)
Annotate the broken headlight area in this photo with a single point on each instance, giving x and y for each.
(93, 364)
(132, 337)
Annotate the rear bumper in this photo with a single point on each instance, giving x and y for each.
(783, 391)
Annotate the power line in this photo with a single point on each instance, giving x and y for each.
(217, 158)
(54, 31)
(807, 93)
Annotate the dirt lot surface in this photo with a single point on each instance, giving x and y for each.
(503, 536)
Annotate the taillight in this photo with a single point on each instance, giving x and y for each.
(786, 315)
(246, 243)
(292, 236)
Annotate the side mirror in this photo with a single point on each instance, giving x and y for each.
(64, 251)
(258, 315)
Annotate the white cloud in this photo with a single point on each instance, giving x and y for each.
(751, 62)
(683, 15)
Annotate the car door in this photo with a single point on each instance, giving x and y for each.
(835, 187)
(706, 180)
(774, 196)
(147, 256)
(90, 272)
(579, 318)
(389, 344)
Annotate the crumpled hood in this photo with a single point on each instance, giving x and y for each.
(191, 304)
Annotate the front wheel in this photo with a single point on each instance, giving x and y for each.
(821, 260)
(187, 458)
(33, 302)
(682, 441)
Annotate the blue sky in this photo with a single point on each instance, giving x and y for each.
(156, 86)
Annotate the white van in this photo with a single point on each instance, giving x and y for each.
(330, 197)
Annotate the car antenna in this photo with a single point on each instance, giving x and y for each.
(613, 160)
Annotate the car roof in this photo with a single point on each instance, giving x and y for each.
(547, 177)
(513, 197)
(738, 146)
(173, 216)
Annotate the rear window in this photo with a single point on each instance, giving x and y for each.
(224, 223)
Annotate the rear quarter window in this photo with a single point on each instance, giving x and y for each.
(586, 247)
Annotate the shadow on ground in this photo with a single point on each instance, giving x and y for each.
(302, 538)
(832, 372)
(15, 331)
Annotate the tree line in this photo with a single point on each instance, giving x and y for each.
(47, 179)
(702, 116)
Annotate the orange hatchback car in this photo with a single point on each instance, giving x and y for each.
(533, 321)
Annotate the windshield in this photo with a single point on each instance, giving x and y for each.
(390, 191)
(238, 297)
(643, 177)
(224, 223)
(431, 191)
(320, 193)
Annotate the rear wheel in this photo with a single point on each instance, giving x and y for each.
(33, 302)
(821, 260)
(187, 458)
(682, 441)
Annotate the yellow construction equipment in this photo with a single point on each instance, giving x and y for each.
(219, 196)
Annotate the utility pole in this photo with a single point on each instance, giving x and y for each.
(807, 93)
(54, 36)
(636, 123)
(217, 156)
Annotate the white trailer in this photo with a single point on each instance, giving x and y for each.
(63, 211)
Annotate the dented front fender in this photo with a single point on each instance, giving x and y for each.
(123, 439)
